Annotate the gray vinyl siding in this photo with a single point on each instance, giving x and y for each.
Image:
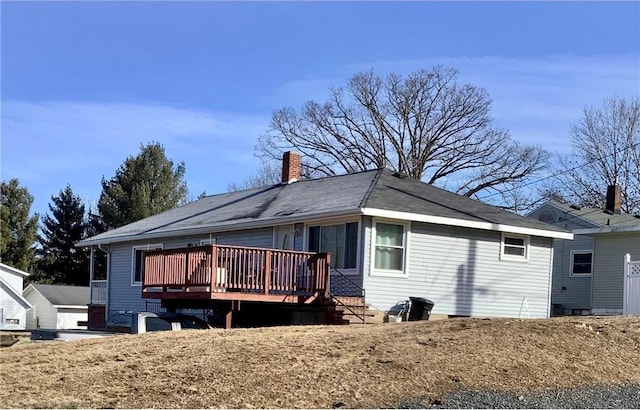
(572, 292)
(577, 289)
(367, 225)
(298, 240)
(123, 295)
(608, 272)
(460, 270)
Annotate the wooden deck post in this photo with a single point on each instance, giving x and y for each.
(327, 272)
(228, 320)
(214, 268)
(267, 272)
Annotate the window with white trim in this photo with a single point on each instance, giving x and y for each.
(581, 263)
(211, 241)
(137, 263)
(341, 241)
(514, 247)
(390, 247)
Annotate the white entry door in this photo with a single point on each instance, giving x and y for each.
(284, 237)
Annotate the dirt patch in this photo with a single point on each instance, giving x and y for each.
(321, 366)
(12, 338)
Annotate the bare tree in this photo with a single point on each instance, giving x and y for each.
(425, 125)
(268, 174)
(605, 151)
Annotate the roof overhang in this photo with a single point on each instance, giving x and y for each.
(85, 307)
(165, 233)
(16, 295)
(489, 226)
(609, 229)
(13, 270)
(382, 213)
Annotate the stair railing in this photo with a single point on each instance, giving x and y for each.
(342, 285)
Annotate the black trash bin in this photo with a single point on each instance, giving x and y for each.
(420, 309)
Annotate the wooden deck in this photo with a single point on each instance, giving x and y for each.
(233, 273)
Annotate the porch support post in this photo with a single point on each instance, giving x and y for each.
(91, 274)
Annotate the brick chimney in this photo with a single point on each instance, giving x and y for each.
(614, 199)
(290, 167)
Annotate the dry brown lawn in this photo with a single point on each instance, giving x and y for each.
(320, 366)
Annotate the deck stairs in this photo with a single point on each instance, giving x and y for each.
(346, 300)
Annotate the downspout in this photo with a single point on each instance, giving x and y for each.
(550, 283)
(106, 307)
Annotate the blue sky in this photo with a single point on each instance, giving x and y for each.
(83, 84)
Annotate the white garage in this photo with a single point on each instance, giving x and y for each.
(57, 306)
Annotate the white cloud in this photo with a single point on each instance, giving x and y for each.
(49, 144)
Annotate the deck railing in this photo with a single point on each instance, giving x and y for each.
(218, 268)
(98, 292)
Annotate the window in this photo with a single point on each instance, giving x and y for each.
(341, 241)
(390, 247)
(581, 263)
(514, 247)
(137, 269)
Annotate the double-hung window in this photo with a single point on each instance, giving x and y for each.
(514, 247)
(340, 240)
(581, 263)
(137, 265)
(390, 247)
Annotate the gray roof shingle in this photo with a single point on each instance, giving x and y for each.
(396, 193)
(304, 200)
(63, 294)
(599, 217)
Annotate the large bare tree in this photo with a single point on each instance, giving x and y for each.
(605, 151)
(425, 125)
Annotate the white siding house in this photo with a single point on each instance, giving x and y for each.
(13, 307)
(57, 306)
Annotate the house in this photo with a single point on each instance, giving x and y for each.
(13, 306)
(588, 272)
(374, 235)
(57, 306)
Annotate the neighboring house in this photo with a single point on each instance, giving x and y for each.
(57, 306)
(588, 272)
(391, 235)
(13, 307)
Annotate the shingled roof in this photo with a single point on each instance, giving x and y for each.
(377, 193)
(599, 218)
(64, 295)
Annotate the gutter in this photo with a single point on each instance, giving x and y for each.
(325, 215)
(214, 229)
(621, 229)
(71, 306)
(489, 226)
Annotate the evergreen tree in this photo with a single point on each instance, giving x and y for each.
(61, 262)
(144, 185)
(19, 231)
